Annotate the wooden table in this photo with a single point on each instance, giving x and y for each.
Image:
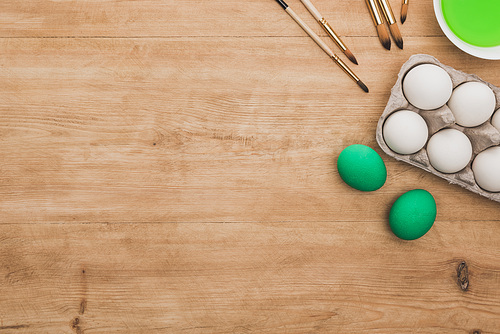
(170, 167)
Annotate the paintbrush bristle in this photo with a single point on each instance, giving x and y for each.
(383, 36)
(396, 34)
(351, 57)
(404, 12)
(363, 86)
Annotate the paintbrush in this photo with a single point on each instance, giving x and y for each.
(404, 10)
(391, 20)
(383, 35)
(323, 45)
(326, 26)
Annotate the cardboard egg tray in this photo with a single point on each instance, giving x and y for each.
(481, 137)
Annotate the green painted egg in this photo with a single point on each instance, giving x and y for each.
(362, 168)
(413, 214)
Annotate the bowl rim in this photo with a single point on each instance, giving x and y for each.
(491, 53)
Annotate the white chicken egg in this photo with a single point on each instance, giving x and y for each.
(486, 169)
(427, 86)
(405, 132)
(496, 120)
(472, 103)
(449, 151)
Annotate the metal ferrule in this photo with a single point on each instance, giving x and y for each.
(386, 8)
(345, 68)
(332, 34)
(375, 12)
(405, 2)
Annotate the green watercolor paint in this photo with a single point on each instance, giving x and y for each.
(476, 22)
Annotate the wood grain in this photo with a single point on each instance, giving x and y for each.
(169, 167)
(107, 130)
(317, 277)
(185, 18)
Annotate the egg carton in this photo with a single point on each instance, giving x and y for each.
(481, 137)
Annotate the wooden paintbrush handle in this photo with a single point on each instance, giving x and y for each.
(323, 45)
(310, 7)
(282, 4)
(326, 26)
(309, 31)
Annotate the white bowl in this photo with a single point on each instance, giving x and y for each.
(492, 53)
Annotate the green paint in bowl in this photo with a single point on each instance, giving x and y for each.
(476, 22)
